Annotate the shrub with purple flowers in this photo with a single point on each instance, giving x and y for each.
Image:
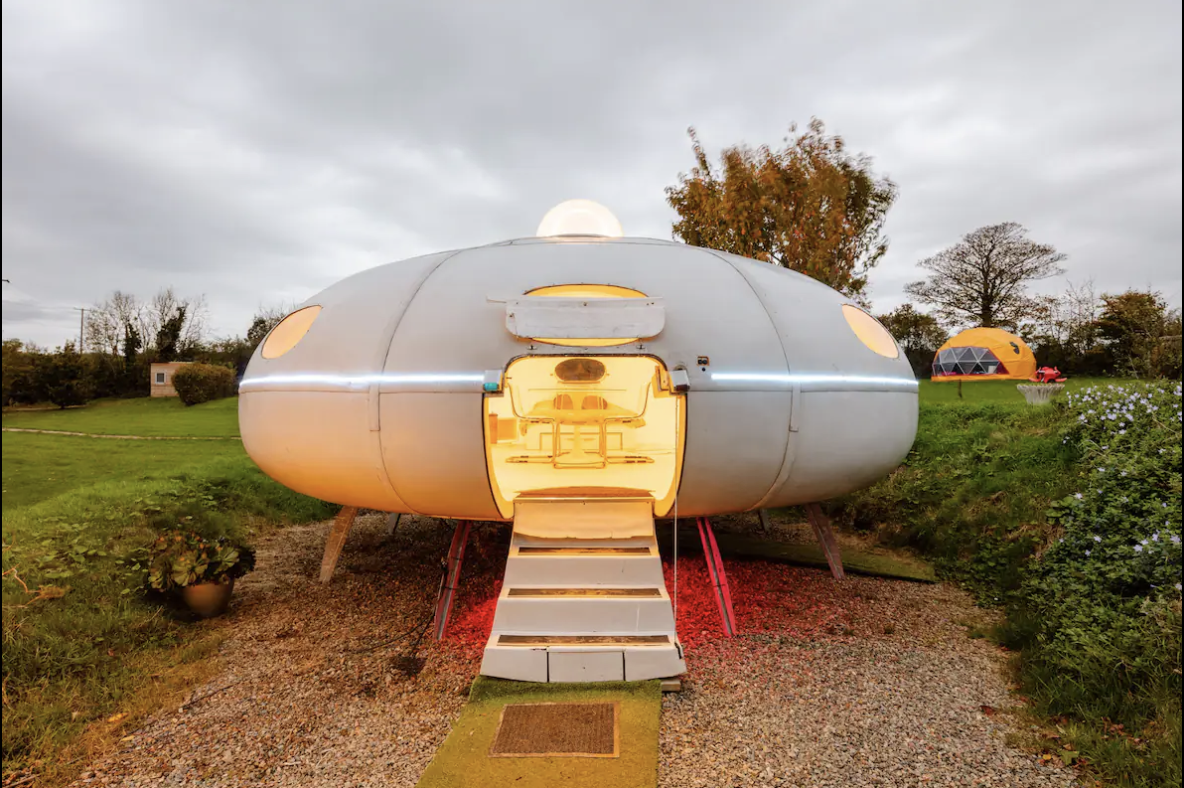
(1098, 614)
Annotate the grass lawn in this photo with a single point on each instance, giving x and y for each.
(463, 760)
(161, 416)
(1001, 391)
(86, 652)
(40, 467)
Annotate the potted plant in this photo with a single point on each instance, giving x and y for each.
(204, 570)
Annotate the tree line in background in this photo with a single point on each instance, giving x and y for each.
(123, 337)
(814, 208)
(811, 207)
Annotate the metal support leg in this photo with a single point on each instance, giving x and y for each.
(392, 524)
(766, 523)
(826, 538)
(719, 578)
(336, 541)
(448, 583)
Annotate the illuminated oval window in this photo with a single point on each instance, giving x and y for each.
(870, 331)
(586, 291)
(289, 332)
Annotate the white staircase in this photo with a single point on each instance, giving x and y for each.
(593, 608)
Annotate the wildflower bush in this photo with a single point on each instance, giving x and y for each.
(1098, 613)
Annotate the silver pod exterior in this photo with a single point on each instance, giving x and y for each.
(377, 391)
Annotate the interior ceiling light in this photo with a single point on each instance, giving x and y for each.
(579, 217)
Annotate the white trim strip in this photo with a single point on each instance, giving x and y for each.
(358, 381)
(806, 380)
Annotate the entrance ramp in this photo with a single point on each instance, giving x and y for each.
(584, 598)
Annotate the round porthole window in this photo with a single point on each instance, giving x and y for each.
(871, 332)
(289, 331)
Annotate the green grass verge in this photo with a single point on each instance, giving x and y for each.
(973, 492)
(989, 492)
(40, 467)
(986, 391)
(463, 760)
(148, 416)
(82, 642)
(854, 561)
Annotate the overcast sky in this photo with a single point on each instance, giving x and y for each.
(256, 152)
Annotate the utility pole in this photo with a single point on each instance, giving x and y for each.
(81, 324)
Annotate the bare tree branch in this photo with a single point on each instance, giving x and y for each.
(983, 279)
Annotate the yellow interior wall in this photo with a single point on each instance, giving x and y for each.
(631, 385)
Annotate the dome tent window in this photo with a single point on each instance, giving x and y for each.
(968, 361)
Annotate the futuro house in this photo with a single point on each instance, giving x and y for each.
(578, 384)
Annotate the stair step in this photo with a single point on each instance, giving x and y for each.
(575, 550)
(535, 641)
(583, 597)
(544, 593)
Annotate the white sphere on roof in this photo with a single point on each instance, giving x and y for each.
(579, 217)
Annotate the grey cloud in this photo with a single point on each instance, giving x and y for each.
(257, 152)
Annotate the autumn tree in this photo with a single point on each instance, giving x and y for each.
(1062, 331)
(1142, 332)
(810, 207)
(983, 280)
(919, 335)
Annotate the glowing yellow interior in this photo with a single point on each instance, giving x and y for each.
(586, 291)
(579, 427)
(870, 332)
(289, 331)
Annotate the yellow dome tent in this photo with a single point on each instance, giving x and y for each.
(984, 354)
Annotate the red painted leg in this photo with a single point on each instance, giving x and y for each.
(456, 556)
(719, 578)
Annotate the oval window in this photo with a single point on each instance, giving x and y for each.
(586, 291)
(289, 331)
(871, 332)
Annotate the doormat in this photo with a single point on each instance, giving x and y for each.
(539, 730)
(473, 754)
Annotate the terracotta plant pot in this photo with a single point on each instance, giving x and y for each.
(208, 599)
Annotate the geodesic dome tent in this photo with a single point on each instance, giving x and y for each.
(984, 354)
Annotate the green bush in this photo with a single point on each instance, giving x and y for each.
(64, 378)
(1070, 517)
(197, 383)
(1098, 614)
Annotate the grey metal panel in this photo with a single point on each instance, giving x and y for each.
(351, 334)
(433, 446)
(847, 441)
(734, 449)
(451, 328)
(318, 443)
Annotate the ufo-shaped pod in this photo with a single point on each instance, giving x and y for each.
(308, 417)
(382, 403)
(854, 413)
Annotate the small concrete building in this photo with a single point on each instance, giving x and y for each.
(162, 378)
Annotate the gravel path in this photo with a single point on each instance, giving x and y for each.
(867, 683)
